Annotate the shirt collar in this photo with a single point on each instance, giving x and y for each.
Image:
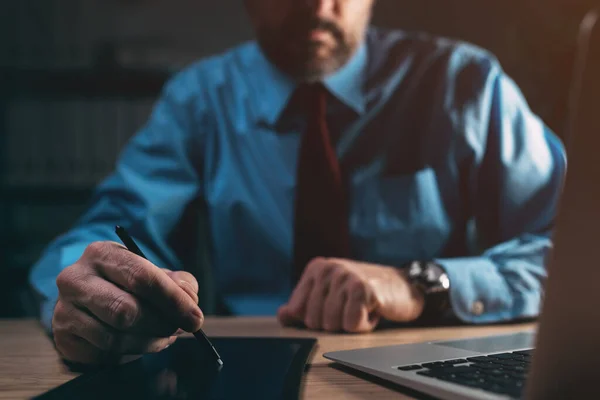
(277, 88)
(347, 83)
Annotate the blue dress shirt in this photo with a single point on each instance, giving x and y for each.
(445, 162)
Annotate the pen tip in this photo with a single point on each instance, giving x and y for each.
(220, 362)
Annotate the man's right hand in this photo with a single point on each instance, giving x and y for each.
(114, 303)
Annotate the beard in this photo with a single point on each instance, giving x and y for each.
(291, 49)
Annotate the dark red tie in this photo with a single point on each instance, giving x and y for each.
(321, 217)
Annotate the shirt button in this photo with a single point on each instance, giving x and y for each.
(478, 308)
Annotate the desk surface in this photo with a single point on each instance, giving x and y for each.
(29, 364)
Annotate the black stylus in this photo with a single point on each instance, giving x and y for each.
(133, 247)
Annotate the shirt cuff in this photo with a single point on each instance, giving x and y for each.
(478, 292)
(46, 314)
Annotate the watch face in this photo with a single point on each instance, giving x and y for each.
(415, 269)
(432, 273)
(434, 278)
(429, 276)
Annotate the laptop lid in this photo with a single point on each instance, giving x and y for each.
(568, 345)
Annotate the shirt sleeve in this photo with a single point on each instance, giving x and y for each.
(152, 183)
(515, 185)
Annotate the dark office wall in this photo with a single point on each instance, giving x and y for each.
(532, 38)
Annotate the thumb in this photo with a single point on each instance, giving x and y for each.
(185, 281)
(286, 317)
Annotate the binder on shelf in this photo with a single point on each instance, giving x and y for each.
(70, 142)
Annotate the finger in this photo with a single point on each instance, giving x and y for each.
(316, 302)
(187, 282)
(297, 303)
(76, 322)
(186, 279)
(117, 308)
(69, 346)
(357, 317)
(333, 310)
(147, 281)
(286, 317)
(78, 350)
(299, 297)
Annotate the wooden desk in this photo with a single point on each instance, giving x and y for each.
(29, 364)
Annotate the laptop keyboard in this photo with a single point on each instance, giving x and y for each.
(503, 373)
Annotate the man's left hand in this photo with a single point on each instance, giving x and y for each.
(335, 295)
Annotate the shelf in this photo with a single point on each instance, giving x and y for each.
(43, 194)
(81, 83)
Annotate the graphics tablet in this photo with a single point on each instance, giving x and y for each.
(254, 368)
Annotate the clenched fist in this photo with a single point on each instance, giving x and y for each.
(335, 295)
(114, 303)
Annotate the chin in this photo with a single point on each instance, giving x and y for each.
(308, 61)
(316, 62)
(315, 70)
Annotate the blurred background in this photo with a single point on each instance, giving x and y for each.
(79, 77)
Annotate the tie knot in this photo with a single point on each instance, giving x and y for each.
(312, 90)
(312, 97)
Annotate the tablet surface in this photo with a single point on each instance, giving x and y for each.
(254, 368)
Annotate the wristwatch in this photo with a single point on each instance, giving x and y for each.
(432, 280)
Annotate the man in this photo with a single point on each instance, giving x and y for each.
(343, 169)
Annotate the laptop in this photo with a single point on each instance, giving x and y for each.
(567, 339)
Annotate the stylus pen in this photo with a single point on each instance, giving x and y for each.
(133, 247)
